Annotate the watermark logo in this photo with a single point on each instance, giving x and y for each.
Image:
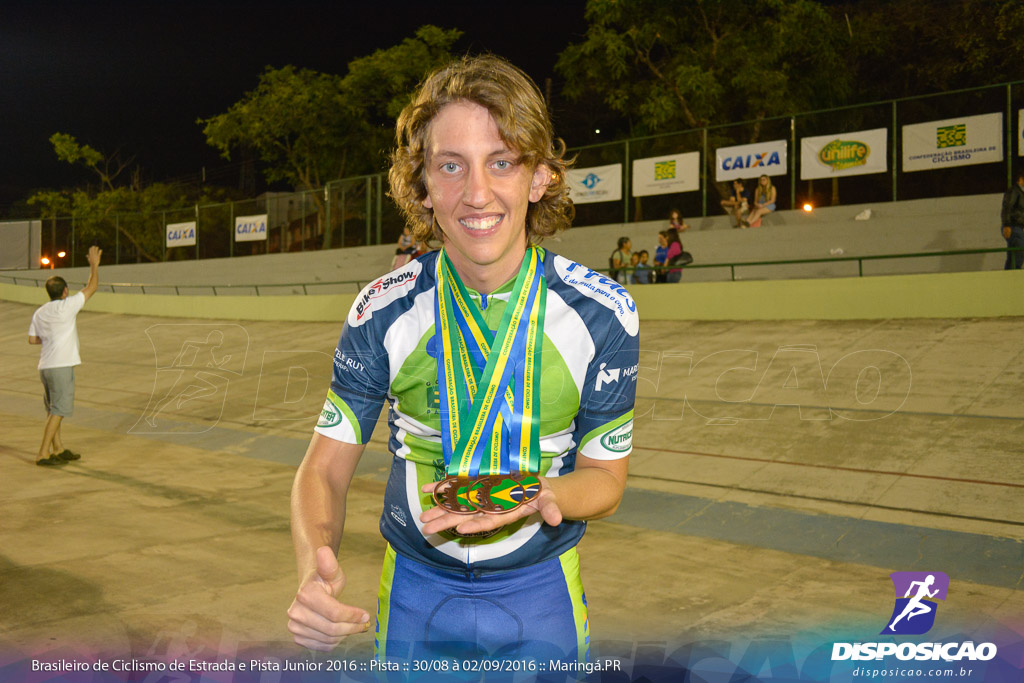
(914, 612)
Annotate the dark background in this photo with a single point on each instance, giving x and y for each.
(133, 77)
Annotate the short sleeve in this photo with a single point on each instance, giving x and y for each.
(73, 304)
(605, 422)
(359, 385)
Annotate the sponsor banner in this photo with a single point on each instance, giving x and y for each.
(595, 184)
(181, 234)
(665, 175)
(962, 141)
(858, 153)
(1020, 132)
(751, 161)
(251, 228)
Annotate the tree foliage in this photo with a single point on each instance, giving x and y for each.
(98, 209)
(310, 128)
(672, 66)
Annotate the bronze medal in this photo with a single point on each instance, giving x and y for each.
(450, 494)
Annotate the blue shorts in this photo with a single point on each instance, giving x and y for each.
(536, 613)
(58, 390)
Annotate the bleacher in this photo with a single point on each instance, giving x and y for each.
(916, 226)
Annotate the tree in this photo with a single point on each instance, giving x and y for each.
(671, 66)
(309, 128)
(954, 44)
(94, 208)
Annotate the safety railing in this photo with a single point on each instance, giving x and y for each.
(359, 284)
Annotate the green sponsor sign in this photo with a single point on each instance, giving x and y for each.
(840, 154)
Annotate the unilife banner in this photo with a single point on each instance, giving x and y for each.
(857, 153)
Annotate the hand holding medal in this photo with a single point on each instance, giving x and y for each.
(481, 507)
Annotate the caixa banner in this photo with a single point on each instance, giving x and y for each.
(751, 161)
(251, 228)
(181, 234)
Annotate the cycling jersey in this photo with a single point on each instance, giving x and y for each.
(589, 359)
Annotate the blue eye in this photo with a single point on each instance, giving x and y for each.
(450, 167)
(502, 164)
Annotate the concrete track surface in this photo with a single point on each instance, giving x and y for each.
(780, 473)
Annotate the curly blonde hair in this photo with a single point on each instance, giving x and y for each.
(518, 109)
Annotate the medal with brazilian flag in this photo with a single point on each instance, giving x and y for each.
(489, 386)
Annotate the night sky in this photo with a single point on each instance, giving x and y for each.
(133, 77)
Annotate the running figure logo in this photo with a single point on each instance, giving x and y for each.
(914, 613)
(195, 363)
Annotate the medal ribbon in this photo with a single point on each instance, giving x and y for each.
(490, 392)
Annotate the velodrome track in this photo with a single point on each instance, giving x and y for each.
(781, 471)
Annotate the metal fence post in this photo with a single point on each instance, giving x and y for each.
(72, 240)
(231, 227)
(704, 175)
(380, 207)
(625, 182)
(343, 214)
(117, 238)
(197, 232)
(894, 147)
(368, 200)
(792, 163)
(1009, 135)
(163, 224)
(327, 208)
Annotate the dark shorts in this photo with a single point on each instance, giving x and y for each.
(58, 390)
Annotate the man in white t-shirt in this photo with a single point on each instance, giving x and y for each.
(53, 326)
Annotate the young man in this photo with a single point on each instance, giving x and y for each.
(511, 377)
(53, 326)
(1013, 223)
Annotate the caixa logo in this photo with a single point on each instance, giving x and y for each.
(381, 287)
(914, 613)
(764, 159)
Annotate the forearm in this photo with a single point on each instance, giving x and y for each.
(318, 499)
(318, 518)
(590, 493)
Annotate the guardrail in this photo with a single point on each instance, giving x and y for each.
(732, 266)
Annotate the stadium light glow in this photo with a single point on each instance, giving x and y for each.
(61, 254)
(808, 208)
(45, 261)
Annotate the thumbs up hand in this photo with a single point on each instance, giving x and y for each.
(316, 618)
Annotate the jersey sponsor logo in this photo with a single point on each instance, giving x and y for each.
(330, 416)
(343, 362)
(606, 377)
(383, 291)
(620, 439)
(602, 289)
(611, 376)
(398, 514)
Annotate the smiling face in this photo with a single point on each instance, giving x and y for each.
(479, 193)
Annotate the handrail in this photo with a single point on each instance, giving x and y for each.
(731, 265)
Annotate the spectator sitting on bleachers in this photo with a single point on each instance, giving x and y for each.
(661, 256)
(676, 222)
(764, 202)
(738, 203)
